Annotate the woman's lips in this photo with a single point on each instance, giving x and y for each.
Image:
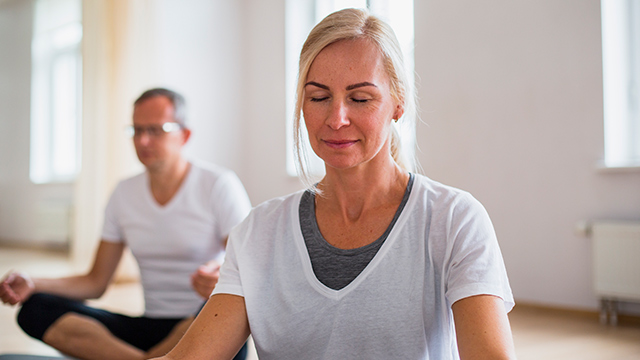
(339, 144)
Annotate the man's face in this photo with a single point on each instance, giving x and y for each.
(155, 147)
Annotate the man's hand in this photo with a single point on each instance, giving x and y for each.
(16, 288)
(205, 278)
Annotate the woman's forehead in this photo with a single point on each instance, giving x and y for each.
(353, 60)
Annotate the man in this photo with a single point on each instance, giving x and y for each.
(175, 217)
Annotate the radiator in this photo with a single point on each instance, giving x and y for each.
(616, 264)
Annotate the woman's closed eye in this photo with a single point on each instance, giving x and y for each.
(318, 98)
(361, 97)
(359, 100)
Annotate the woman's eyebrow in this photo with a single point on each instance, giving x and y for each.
(350, 87)
(358, 85)
(317, 85)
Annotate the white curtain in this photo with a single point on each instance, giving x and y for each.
(118, 64)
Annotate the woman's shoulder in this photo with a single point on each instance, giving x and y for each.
(441, 197)
(278, 207)
(279, 203)
(268, 218)
(438, 190)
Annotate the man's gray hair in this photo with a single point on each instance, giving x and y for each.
(179, 106)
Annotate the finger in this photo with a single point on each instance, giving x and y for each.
(8, 278)
(202, 278)
(206, 270)
(203, 291)
(206, 282)
(6, 291)
(9, 297)
(13, 300)
(211, 266)
(194, 281)
(207, 273)
(207, 277)
(198, 275)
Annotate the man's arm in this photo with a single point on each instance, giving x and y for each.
(217, 333)
(482, 328)
(17, 288)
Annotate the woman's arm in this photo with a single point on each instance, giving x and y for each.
(217, 333)
(482, 328)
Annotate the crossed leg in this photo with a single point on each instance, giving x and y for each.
(86, 338)
(89, 333)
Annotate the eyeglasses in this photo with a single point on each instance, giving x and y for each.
(153, 130)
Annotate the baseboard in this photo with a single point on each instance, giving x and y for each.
(623, 319)
(57, 247)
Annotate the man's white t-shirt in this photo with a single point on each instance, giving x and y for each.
(170, 242)
(442, 249)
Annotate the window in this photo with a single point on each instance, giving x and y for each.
(55, 91)
(621, 82)
(301, 16)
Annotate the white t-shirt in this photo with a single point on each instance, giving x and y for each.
(442, 249)
(169, 242)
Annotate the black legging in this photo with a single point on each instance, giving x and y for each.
(42, 310)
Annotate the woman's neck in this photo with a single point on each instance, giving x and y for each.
(352, 192)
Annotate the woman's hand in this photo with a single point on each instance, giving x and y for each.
(16, 288)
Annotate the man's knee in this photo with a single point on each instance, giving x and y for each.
(38, 313)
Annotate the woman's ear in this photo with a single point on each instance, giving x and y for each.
(399, 112)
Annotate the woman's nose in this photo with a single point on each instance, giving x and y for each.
(338, 116)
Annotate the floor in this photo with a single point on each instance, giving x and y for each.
(555, 334)
(538, 333)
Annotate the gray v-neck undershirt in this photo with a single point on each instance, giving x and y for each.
(334, 267)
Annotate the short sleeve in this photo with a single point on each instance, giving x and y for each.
(475, 265)
(230, 202)
(229, 281)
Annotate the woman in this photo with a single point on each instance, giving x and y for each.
(374, 262)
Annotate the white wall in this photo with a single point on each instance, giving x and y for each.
(199, 54)
(512, 95)
(264, 135)
(21, 202)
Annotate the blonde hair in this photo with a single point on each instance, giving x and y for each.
(351, 24)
